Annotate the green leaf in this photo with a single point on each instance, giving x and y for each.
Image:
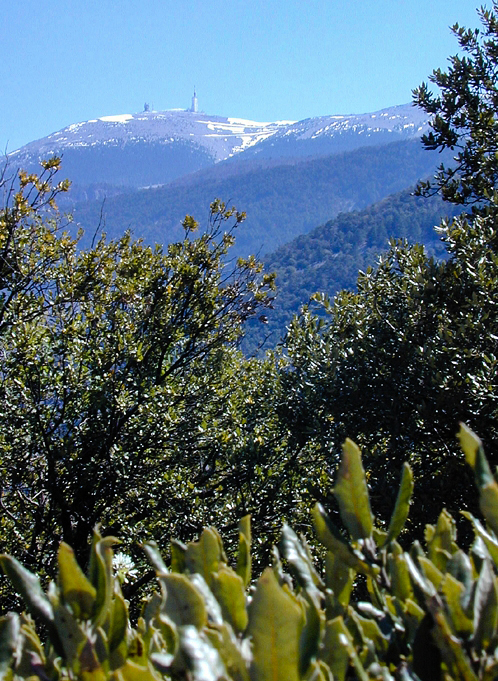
(452, 651)
(227, 644)
(399, 573)
(488, 503)
(310, 635)
(420, 581)
(9, 633)
(131, 671)
(299, 560)
(339, 651)
(119, 622)
(339, 577)
(213, 608)
(402, 507)
(460, 567)
(77, 591)
(228, 588)
(470, 444)
(275, 625)
(28, 586)
(490, 541)
(352, 493)
(485, 608)
(178, 550)
(430, 571)
(486, 484)
(101, 575)
(206, 555)
(319, 672)
(244, 554)
(441, 540)
(202, 659)
(154, 555)
(71, 635)
(330, 537)
(453, 592)
(370, 631)
(184, 604)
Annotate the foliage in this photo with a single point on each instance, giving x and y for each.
(426, 615)
(399, 362)
(465, 117)
(117, 382)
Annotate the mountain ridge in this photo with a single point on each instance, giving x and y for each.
(158, 147)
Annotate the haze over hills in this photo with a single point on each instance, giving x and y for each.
(329, 257)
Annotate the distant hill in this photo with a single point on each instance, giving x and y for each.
(329, 257)
(281, 201)
(325, 135)
(151, 147)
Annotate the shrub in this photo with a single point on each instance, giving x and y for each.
(429, 614)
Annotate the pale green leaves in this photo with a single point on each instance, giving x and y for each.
(487, 485)
(275, 623)
(402, 507)
(351, 492)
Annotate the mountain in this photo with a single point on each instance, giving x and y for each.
(328, 258)
(151, 147)
(157, 147)
(281, 200)
(146, 171)
(334, 134)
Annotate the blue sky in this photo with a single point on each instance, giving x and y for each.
(67, 61)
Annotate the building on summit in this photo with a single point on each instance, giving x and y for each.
(194, 107)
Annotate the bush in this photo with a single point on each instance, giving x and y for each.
(427, 615)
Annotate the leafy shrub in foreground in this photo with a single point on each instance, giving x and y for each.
(429, 614)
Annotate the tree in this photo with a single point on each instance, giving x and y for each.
(397, 364)
(113, 360)
(465, 118)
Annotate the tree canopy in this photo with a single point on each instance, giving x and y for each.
(114, 359)
(398, 363)
(464, 117)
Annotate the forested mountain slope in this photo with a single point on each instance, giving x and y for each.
(329, 257)
(281, 202)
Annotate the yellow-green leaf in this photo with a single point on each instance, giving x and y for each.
(275, 625)
(453, 592)
(184, 604)
(132, 671)
(77, 591)
(339, 577)
(331, 539)
(228, 588)
(352, 493)
(470, 444)
(244, 554)
(402, 507)
(205, 555)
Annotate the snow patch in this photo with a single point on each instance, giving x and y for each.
(120, 118)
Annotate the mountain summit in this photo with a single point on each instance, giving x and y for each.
(156, 147)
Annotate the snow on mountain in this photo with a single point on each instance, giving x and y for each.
(157, 147)
(220, 137)
(332, 134)
(404, 119)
